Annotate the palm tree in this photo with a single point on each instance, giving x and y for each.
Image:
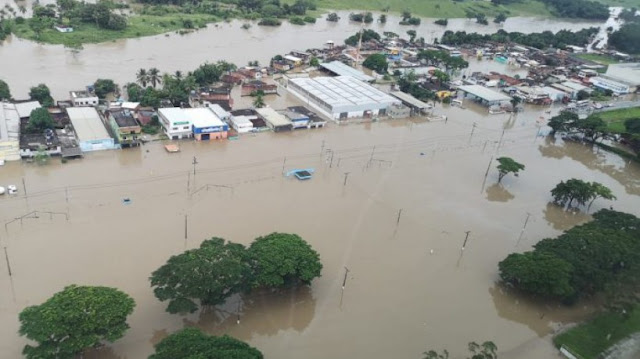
(178, 75)
(143, 77)
(154, 77)
(258, 102)
(22, 9)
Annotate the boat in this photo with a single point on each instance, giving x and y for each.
(172, 148)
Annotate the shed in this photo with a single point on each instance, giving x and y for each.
(275, 121)
(486, 96)
(89, 128)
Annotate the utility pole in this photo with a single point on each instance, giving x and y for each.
(473, 128)
(66, 194)
(346, 175)
(322, 148)
(500, 141)
(6, 257)
(371, 158)
(465, 240)
(188, 182)
(25, 187)
(523, 227)
(344, 281)
(331, 161)
(399, 214)
(284, 162)
(195, 162)
(185, 226)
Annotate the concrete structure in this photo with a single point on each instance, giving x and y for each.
(625, 73)
(83, 98)
(63, 28)
(484, 95)
(124, 126)
(415, 105)
(92, 135)
(242, 124)
(341, 97)
(298, 120)
(175, 122)
(9, 132)
(340, 69)
(274, 120)
(205, 124)
(315, 121)
(219, 111)
(24, 108)
(571, 88)
(399, 111)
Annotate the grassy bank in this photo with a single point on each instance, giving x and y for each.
(143, 25)
(615, 119)
(593, 337)
(601, 59)
(439, 8)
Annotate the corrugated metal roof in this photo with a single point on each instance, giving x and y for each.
(173, 114)
(273, 117)
(24, 108)
(87, 123)
(341, 69)
(484, 93)
(405, 97)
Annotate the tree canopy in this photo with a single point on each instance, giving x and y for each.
(627, 39)
(5, 93)
(564, 193)
(583, 261)
(539, 40)
(191, 343)
(39, 120)
(77, 318)
(508, 165)
(41, 94)
(209, 274)
(377, 63)
(103, 87)
(486, 350)
(283, 260)
(367, 35)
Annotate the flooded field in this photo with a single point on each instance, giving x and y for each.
(400, 298)
(64, 70)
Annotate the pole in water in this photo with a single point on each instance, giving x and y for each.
(66, 194)
(371, 158)
(6, 257)
(195, 162)
(526, 221)
(399, 214)
(25, 187)
(188, 182)
(465, 240)
(344, 281)
(322, 147)
(185, 226)
(346, 175)
(500, 141)
(238, 312)
(331, 162)
(473, 128)
(284, 162)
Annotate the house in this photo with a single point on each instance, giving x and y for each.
(619, 78)
(251, 87)
(83, 98)
(251, 115)
(484, 95)
(298, 120)
(219, 111)
(205, 124)
(315, 121)
(274, 120)
(533, 94)
(242, 124)
(220, 95)
(145, 115)
(124, 126)
(293, 60)
(92, 135)
(175, 123)
(280, 65)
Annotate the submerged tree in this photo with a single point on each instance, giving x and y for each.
(77, 318)
(486, 350)
(580, 191)
(507, 165)
(258, 101)
(5, 93)
(42, 94)
(143, 77)
(192, 343)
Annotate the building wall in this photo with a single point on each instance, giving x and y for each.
(212, 135)
(175, 132)
(614, 86)
(10, 150)
(97, 145)
(85, 101)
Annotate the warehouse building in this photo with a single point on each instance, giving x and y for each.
(484, 95)
(92, 134)
(341, 97)
(275, 121)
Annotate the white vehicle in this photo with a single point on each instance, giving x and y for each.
(1, 190)
(456, 102)
(12, 189)
(597, 106)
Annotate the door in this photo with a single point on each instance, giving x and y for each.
(205, 136)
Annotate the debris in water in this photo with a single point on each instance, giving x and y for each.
(126, 200)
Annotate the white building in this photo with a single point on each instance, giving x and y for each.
(242, 124)
(341, 97)
(605, 83)
(9, 132)
(91, 132)
(205, 124)
(83, 98)
(219, 111)
(176, 124)
(620, 78)
(275, 121)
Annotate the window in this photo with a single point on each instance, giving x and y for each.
(185, 127)
(174, 128)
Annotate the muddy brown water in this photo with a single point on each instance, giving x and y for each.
(25, 63)
(400, 299)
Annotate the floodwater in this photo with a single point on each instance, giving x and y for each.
(25, 63)
(400, 298)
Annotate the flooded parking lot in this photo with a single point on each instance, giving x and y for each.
(410, 287)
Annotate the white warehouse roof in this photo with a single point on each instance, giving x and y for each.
(202, 117)
(273, 117)
(341, 69)
(484, 93)
(344, 93)
(173, 115)
(87, 123)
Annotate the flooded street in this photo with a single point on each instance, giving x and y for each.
(64, 70)
(400, 299)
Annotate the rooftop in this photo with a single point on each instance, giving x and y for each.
(124, 118)
(344, 92)
(24, 108)
(218, 111)
(273, 117)
(407, 98)
(82, 93)
(202, 117)
(626, 72)
(9, 122)
(341, 69)
(87, 123)
(484, 93)
(173, 114)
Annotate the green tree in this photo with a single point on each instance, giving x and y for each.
(383, 18)
(564, 193)
(538, 273)
(627, 38)
(41, 94)
(500, 18)
(77, 318)
(210, 274)
(191, 343)
(258, 101)
(377, 63)
(154, 77)
(600, 191)
(5, 93)
(593, 128)
(314, 62)
(514, 103)
(367, 35)
(507, 165)
(333, 17)
(103, 87)
(441, 77)
(283, 260)
(39, 120)
(143, 77)
(412, 35)
(563, 122)
(39, 24)
(134, 92)
(632, 125)
(486, 350)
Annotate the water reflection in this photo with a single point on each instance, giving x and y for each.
(540, 316)
(100, 353)
(562, 219)
(497, 193)
(625, 172)
(260, 313)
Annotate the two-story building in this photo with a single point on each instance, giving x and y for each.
(205, 124)
(124, 126)
(175, 123)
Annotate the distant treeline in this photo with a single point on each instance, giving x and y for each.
(581, 9)
(539, 40)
